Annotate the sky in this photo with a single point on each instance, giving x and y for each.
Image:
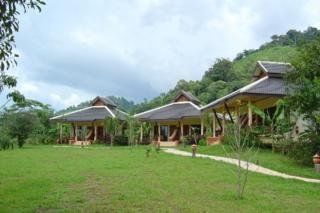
(77, 49)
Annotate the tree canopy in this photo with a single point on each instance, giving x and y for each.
(9, 25)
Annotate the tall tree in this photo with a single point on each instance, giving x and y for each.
(304, 83)
(9, 24)
(304, 86)
(222, 70)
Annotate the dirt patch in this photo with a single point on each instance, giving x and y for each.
(86, 194)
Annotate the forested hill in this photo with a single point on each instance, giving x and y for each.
(225, 76)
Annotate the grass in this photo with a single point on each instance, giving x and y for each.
(265, 158)
(100, 179)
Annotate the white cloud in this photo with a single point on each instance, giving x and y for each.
(75, 49)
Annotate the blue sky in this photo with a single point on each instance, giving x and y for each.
(74, 50)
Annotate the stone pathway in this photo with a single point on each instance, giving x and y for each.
(251, 166)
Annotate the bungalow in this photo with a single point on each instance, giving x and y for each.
(88, 123)
(175, 120)
(266, 88)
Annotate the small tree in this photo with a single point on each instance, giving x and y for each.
(147, 130)
(207, 121)
(279, 122)
(20, 125)
(240, 148)
(132, 131)
(112, 126)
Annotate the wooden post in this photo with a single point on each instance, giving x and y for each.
(71, 132)
(141, 133)
(202, 127)
(60, 134)
(189, 129)
(95, 132)
(223, 122)
(181, 129)
(213, 126)
(104, 132)
(76, 133)
(152, 133)
(249, 114)
(217, 118)
(238, 115)
(159, 132)
(228, 111)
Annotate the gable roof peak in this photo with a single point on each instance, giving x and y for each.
(271, 68)
(105, 100)
(188, 95)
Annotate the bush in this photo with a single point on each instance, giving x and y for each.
(250, 136)
(202, 142)
(6, 142)
(304, 148)
(120, 140)
(145, 140)
(187, 140)
(282, 145)
(98, 142)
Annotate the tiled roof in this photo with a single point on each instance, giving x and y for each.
(172, 111)
(275, 67)
(90, 114)
(265, 86)
(270, 85)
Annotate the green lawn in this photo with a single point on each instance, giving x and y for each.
(100, 179)
(263, 157)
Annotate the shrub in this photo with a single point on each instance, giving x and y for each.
(120, 140)
(187, 140)
(6, 142)
(202, 142)
(250, 136)
(303, 149)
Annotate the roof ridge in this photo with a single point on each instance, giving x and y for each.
(242, 89)
(274, 62)
(72, 112)
(170, 104)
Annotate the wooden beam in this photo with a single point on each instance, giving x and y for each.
(228, 111)
(141, 133)
(213, 125)
(217, 118)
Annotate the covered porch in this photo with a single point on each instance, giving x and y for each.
(171, 122)
(83, 133)
(86, 125)
(170, 133)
